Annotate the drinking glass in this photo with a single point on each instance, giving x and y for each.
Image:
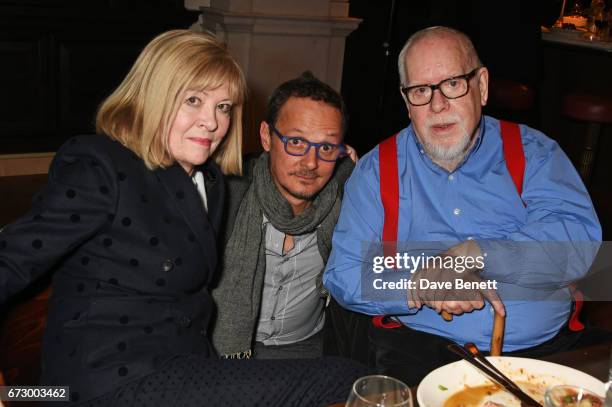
(379, 391)
(570, 396)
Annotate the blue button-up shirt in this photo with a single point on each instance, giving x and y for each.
(478, 200)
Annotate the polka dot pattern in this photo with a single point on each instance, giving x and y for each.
(138, 246)
(192, 381)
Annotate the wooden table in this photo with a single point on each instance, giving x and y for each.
(593, 360)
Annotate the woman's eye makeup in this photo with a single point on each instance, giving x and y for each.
(225, 107)
(193, 100)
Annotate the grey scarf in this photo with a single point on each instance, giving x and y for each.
(238, 293)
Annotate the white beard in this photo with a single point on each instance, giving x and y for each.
(453, 153)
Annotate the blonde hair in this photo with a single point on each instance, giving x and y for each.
(140, 112)
(469, 52)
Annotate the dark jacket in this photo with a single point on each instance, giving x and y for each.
(132, 252)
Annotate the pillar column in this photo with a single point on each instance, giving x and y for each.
(276, 40)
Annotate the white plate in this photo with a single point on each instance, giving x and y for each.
(456, 376)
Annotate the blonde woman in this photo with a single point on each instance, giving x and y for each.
(128, 225)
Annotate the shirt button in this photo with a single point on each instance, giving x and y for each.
(280, 288)
(203, 332)
(422, 151)
(451, 177)
(167, 265)
(272, 318)
(457, 211)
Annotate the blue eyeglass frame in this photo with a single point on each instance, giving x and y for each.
(285, 139)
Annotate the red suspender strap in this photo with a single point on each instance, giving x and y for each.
(513, 152)
(574, 323)
(389, 189)
(389, 194)
(515, 161)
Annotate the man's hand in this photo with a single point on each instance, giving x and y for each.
(351, 152)
(436, 287)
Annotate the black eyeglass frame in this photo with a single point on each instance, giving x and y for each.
(284, 139)
(468, 76)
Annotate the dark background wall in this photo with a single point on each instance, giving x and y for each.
(60, 58)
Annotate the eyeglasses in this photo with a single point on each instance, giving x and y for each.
(297, 146)
(451, 88)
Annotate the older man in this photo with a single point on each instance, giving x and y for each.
(281, 217)
(452, 188)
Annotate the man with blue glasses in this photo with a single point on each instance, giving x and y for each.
(281, 215)
(499, 203)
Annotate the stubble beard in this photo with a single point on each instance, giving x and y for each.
(297, 194)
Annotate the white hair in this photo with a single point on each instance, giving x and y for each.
(437, 31)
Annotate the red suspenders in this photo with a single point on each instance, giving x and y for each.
(513, 152)
(389, 193)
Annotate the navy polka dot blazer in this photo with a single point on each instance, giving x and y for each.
(131, 251)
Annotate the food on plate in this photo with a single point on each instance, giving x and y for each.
(571, 396)
(492, 395)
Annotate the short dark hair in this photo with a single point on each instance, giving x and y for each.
(305, 86)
